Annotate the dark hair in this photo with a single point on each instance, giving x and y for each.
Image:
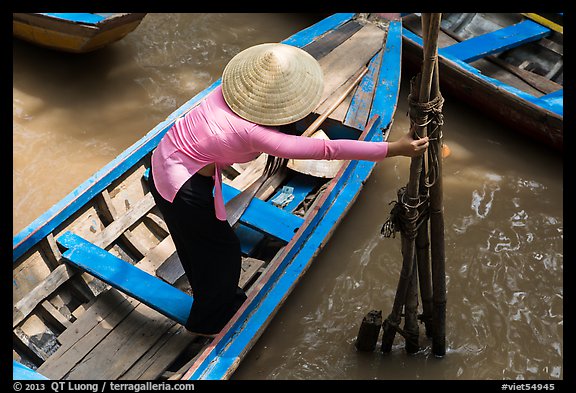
(277, 164)
(289, 129)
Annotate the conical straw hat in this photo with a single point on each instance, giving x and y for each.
(272, 84)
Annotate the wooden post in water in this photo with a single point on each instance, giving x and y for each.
(411, 197)
(369, 331)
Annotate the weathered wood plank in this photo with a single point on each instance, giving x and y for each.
(250, 266)
(357, 115)
(88, 224)
(157, 255)
(116, 228)
(128, 189)
(155, 218)
(54, 316)
(250, 173)
(171, 270)
(109, 212)
(27, 275)
(325, 44)
(50, 250)
(56, 278)
(84, 334)
(538, 82)
(343, 62)
(123, 346)
(108, 300)
(161, 355)
(106, 207)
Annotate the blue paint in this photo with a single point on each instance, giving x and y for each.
(303, 185)
(299, 242)
(554, 100)
(497, 41)
(306, 36)
(249, 238)
(388, 88)
(122, 275)
(359, 106)
(90, 19)
(22, 373)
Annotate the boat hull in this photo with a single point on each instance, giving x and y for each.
(68, 35)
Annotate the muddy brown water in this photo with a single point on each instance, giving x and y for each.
(503, 207)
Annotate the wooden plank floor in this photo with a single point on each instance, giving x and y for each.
(119, 338)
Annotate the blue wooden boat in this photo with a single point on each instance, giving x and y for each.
(74, 32)
(510, 66)
(98, 290)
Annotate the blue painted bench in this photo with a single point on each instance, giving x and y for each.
(266, 217)
(496, 41)
(122, 275)
(302, 186)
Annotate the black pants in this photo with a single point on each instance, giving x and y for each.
(209, 251)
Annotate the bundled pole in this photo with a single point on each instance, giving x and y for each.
(437, 239)
(411, 202)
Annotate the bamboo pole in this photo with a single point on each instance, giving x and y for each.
(437, 245)
(430, 54)
(424, 274)
(411, 330)
(423, 236)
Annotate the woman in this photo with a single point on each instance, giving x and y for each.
(264, 88)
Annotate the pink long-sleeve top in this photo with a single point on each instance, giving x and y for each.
(212, 133)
